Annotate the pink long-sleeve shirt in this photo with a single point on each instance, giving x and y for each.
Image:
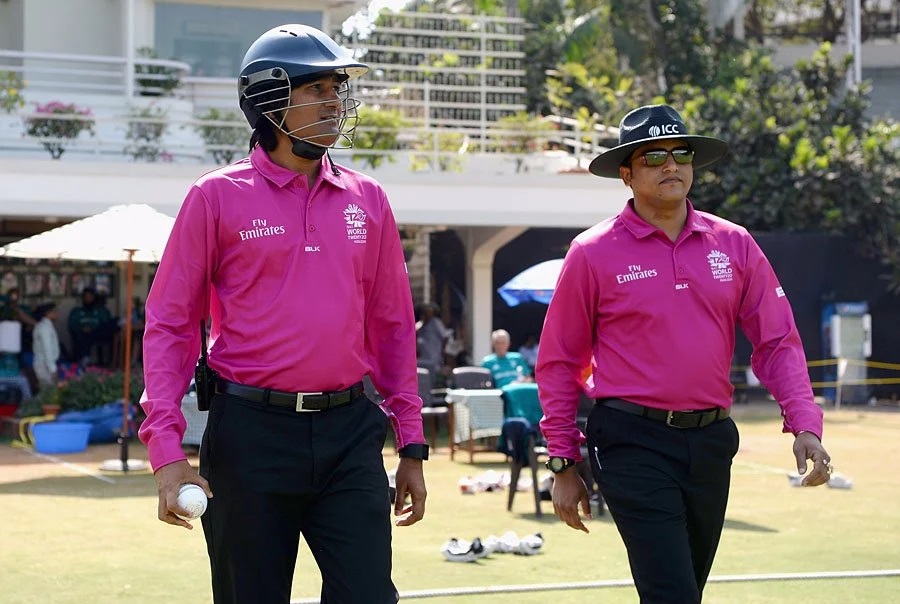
(307, 291)
(655, 322)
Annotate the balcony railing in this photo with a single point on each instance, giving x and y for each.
(92, 74)
(160, 122)
(147, 139)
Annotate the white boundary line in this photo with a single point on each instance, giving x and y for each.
(468, 591)
(72, 466)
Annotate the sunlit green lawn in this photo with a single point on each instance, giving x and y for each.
(66, 537)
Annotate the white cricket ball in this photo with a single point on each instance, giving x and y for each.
(192, 499)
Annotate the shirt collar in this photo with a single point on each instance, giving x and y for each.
(281, 176)
(640, 228)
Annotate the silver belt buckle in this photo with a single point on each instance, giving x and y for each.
(300, 395)
(669, 416)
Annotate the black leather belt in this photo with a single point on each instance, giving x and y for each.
(676, 419)
(298, 401)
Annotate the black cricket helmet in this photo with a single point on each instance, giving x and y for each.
(288, 56)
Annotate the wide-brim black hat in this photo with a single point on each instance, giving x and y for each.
(654, 123)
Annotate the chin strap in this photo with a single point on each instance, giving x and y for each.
(307, 150)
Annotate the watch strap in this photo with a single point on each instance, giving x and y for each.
(414, 451)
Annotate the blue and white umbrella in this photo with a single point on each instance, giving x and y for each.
(533, 284)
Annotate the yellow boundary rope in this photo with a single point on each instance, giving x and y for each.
(838, 383)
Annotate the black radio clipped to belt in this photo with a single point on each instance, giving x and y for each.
(204, 376)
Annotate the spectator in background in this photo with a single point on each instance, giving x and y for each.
(109, 329)
(505, 366)
(529, 351)
(431, 336)
(86, 325)
(46, 344)
(137, 331)
(13, 310)
(455, 354)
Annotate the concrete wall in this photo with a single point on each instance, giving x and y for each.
(10, 17)
(90, 27)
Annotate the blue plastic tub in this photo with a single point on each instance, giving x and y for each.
(61, 437)
(105, 420)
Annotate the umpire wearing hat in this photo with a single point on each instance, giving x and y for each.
(649, 301)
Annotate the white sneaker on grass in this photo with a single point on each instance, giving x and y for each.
(530, 545)
(459, 550)
(505, 544)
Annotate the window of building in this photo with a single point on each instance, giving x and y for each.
(213, 39)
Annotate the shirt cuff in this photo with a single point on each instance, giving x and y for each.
(407, 431)
(568, 450)
(164, 450)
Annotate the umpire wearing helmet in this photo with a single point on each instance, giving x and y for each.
(297, 263)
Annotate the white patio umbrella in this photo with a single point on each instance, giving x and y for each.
(130, 233)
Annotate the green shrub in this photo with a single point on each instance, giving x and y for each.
(224, 132)
(11, 98)
(154, 80)
(93, 388)
(71, 123)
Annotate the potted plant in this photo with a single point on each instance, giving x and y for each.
(97, 387)
(146, 127)
(56, 122)
(223, 132)
(152, 78)
(11, 98)
(45, 402)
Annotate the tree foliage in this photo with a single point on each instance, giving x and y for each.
(223, 132)
(543, 48)
(803, 156)
(379, 131)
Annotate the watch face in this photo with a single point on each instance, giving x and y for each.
(556, 464)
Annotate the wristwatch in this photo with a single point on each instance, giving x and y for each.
(558, 464)
(414, 451)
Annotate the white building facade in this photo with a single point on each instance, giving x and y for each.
(82, 52)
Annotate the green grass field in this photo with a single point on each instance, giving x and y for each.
(67, 537)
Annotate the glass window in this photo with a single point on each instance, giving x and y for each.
(213, 39)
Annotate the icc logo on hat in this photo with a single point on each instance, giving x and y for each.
(655, 131)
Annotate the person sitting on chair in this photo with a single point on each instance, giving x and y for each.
(505, 366)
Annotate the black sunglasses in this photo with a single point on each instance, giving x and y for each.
(657, 157)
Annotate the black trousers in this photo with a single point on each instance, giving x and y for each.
(276, 474)
(666, 489)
